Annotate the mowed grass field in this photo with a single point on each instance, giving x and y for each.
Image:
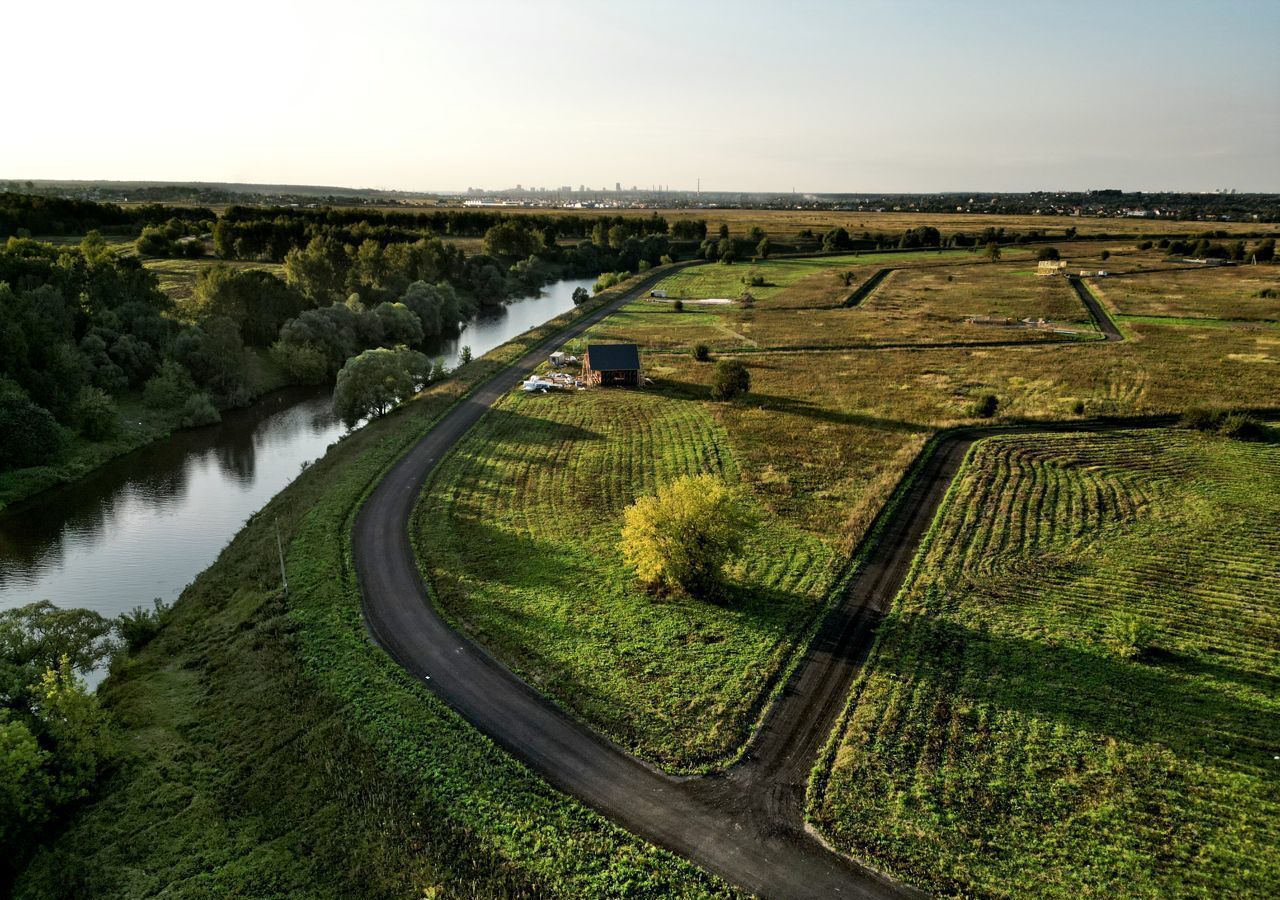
(997, 745)
(1226, 292)
(518, 535)
(518, 531)
(923, 300)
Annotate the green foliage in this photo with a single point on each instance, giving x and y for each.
(608, 280)
(169, 387)
(1128, 636)
(297, 761)
(729, 379)
(464, 356)
(96, 414)
(256, 300)
(836, 239)
(1048, 253)
(376, 381)
(1239, 426)
(54, 737)
(30, 434)
(701, 352)
(138, 626)
(1017, 698)
(511, 240)
(304, 363)
(763, 248)
(24, 788)
(680, 539)
(677, 306)
(580, 295)
(984, 406)
(993, 251)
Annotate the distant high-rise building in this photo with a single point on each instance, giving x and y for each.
(582, 189)
(519, 188)
(617, 186)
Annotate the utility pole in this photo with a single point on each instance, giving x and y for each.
(284, 579)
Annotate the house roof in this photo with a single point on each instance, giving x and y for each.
(613, 357)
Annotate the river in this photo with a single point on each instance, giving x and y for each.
(145, 524)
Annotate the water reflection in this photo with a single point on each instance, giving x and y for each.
(146, 524)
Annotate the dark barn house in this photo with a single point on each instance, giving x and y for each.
(606, 364)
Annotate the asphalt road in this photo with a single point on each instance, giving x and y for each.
(746, 824)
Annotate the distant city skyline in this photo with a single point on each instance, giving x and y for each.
(867, 97)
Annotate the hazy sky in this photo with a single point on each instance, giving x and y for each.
(840, 96)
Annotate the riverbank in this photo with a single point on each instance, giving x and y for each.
(139, 426)
(267, 732)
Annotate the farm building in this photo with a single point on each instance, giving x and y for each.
(606, 364)
(1051, 267)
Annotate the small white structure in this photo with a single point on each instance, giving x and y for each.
(536, 384)
(659, 293)
(1102, 273)
(557, 358)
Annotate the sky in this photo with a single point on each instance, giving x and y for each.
(858, 97)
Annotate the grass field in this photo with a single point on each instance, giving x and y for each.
(1225, 293)
(787, 222)
(177, 277)
(923, 302)
(997, 745)
(519, 531)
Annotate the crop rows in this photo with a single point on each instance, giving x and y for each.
(1001, 744)
(518, 531)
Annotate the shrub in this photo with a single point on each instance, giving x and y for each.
(580, 296)
(198, 409)
(678, 306)
(304, 363)
(96, 414)
(701, 352)
(138, 626)
(1048, 253)
(730, 379)
(169, 388)
(985, 407)
(1228, 424)
(1128, 636)
(680, 539)
(464, 356)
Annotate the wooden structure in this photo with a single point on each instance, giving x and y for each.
(612, 364)
(1051, 267)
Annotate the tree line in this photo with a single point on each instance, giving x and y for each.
(24, 215)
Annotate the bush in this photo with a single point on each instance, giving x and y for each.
(169, 388)
(730, 379)
(96, 414)
(1239, 426)
(1128, 636)
(678, 306)
(680, 539)
(701, 352)
(376, 381)
(580, 296)
(985, 406)
(304, 363)
(1048, 253)
(198, 409)
(138, 626)
(608, 280)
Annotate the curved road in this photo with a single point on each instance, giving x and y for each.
(747, 824)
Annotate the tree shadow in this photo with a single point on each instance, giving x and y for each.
(1142, 702)
(532, 429)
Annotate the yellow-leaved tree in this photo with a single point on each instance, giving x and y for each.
(680, 539)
